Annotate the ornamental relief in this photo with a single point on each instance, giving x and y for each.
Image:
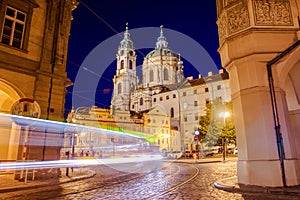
(272, 12)
(228, 2)
(238, 18)
(222, 29)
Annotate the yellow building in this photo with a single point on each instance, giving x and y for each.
(33, 52)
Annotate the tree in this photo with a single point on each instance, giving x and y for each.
(217, 124)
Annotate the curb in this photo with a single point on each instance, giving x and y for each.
(44, 184)
(230, 185)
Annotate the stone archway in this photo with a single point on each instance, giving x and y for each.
(9, 145)
(290, 83)
(9, 95)
(249, 42)
(292, 90)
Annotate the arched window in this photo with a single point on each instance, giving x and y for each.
(122, 64)
(119, 88)
(151, 76)
(130, 64)
(166, 75)
(172, 112)
(141, 101)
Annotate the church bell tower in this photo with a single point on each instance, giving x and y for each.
(125, 81)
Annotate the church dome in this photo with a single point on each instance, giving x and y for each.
(161, 48)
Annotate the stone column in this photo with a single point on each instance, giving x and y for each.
(251, 33)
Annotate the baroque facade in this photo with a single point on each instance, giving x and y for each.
(164, 105)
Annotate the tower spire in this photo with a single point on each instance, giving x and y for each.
(126, 42)
(161, 40)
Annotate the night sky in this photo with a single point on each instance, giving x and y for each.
(97, 29)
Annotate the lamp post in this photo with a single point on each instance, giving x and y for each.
(224, 115)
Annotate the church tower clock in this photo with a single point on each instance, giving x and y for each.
(125, 81)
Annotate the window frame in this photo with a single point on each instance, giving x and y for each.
(24, 6)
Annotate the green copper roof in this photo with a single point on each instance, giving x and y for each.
(126, 42)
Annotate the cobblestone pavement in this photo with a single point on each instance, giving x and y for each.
(178, 181)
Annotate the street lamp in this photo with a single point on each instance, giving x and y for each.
(224, 115)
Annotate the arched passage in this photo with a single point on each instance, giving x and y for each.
(9, 95)
(287, 74)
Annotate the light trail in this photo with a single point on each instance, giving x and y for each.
(77, 163)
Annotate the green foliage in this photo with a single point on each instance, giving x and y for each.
(215, 125)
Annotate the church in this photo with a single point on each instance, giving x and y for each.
(163, 105)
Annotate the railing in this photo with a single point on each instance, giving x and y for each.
(25, 171)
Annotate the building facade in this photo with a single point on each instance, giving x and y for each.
(33, 51)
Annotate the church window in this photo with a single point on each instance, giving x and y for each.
(166, 74)
(151, 76)
(172, 112)
(141, 101)
(122, 64)
(15, 22)
(119, 88)
(130, 64)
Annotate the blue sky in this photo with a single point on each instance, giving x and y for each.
(96, 21)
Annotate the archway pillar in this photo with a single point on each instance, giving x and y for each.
(258, 162)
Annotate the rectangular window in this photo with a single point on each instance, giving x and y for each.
(196, 118)
(185, 118)
(160, 98)
(167, 97)
(207, 101)
(195, 91)
(154, 100)
(174, 96)
(13, 28)
(218, 87)
(184, 94)
(195, 103)
(206, 89)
